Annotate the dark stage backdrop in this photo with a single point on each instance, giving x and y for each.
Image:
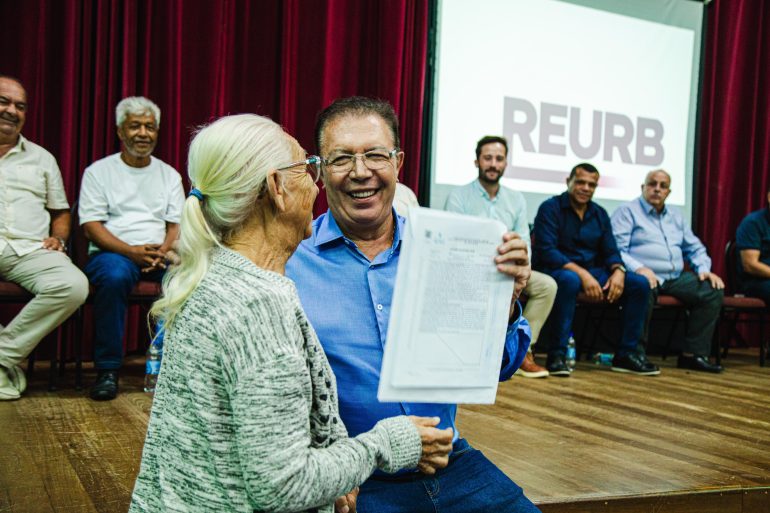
(199, 60)
(289, 58)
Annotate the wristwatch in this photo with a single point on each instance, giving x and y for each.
(621, 267)
(63, 243)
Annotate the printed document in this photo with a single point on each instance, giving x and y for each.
(450, 311)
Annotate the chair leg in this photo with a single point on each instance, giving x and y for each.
(598, 329)
(762, 343)
(79, 319)
(53, 374)
(671, 331)
(715, 340)
(31, 363)
(580, 342)
(732, 329)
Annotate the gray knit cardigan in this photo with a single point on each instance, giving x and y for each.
(245, 415)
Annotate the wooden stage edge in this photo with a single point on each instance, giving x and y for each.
(739, 500)
(597, 442)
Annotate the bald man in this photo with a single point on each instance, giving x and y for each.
(654, 240)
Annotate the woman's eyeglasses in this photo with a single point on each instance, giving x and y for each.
(312, 166)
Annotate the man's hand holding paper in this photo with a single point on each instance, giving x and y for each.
(513, 260)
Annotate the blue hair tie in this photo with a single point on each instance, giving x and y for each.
(195, 192)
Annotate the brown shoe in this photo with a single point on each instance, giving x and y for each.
(529, 369)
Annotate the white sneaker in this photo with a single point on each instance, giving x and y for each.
(18, 379)
(8, 392)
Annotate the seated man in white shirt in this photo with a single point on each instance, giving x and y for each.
(34, 225)
(130, 207)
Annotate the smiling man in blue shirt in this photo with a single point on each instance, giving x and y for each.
(574, 244)
(345, 274)
(654, 242)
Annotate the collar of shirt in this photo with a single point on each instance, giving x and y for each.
(650, 210)
(483, 192)
(328, 231)
(20, 146)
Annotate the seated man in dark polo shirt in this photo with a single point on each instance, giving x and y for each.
(753, 242)
(574, 244)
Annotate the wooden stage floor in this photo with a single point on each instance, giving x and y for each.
(596, 442)
(681, 441)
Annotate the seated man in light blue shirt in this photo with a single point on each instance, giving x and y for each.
(654, 241)
(486, 197)
(345, 275)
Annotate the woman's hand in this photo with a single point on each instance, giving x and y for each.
(347, 503)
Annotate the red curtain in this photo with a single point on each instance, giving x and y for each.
(733, 176)
(199, 60)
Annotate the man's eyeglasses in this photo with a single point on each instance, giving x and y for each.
(374, 160)
(312, 167)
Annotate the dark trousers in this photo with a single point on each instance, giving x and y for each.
(469, 484)
(636, 292)
(703, 302)
(113, 276)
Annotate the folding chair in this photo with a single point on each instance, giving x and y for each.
(737, 305)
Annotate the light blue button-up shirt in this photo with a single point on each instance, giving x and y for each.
(508, 206)
(658, 241)
(348, 299)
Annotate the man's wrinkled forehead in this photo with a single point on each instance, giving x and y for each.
(349, 131)
(143, 118)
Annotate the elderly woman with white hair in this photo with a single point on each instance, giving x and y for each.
(245, 415)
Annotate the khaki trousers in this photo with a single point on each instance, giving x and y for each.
(541, 292)
(59, 288)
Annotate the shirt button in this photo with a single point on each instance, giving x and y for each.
(379, 307)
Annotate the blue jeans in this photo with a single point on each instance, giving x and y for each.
(469, 484)
(113, 276)
(636, 293)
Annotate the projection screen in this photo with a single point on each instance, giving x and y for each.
(610, 82)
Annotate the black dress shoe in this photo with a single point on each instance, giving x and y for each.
(557, 366)
(105, 388)
(634, 363)
(698, 363)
